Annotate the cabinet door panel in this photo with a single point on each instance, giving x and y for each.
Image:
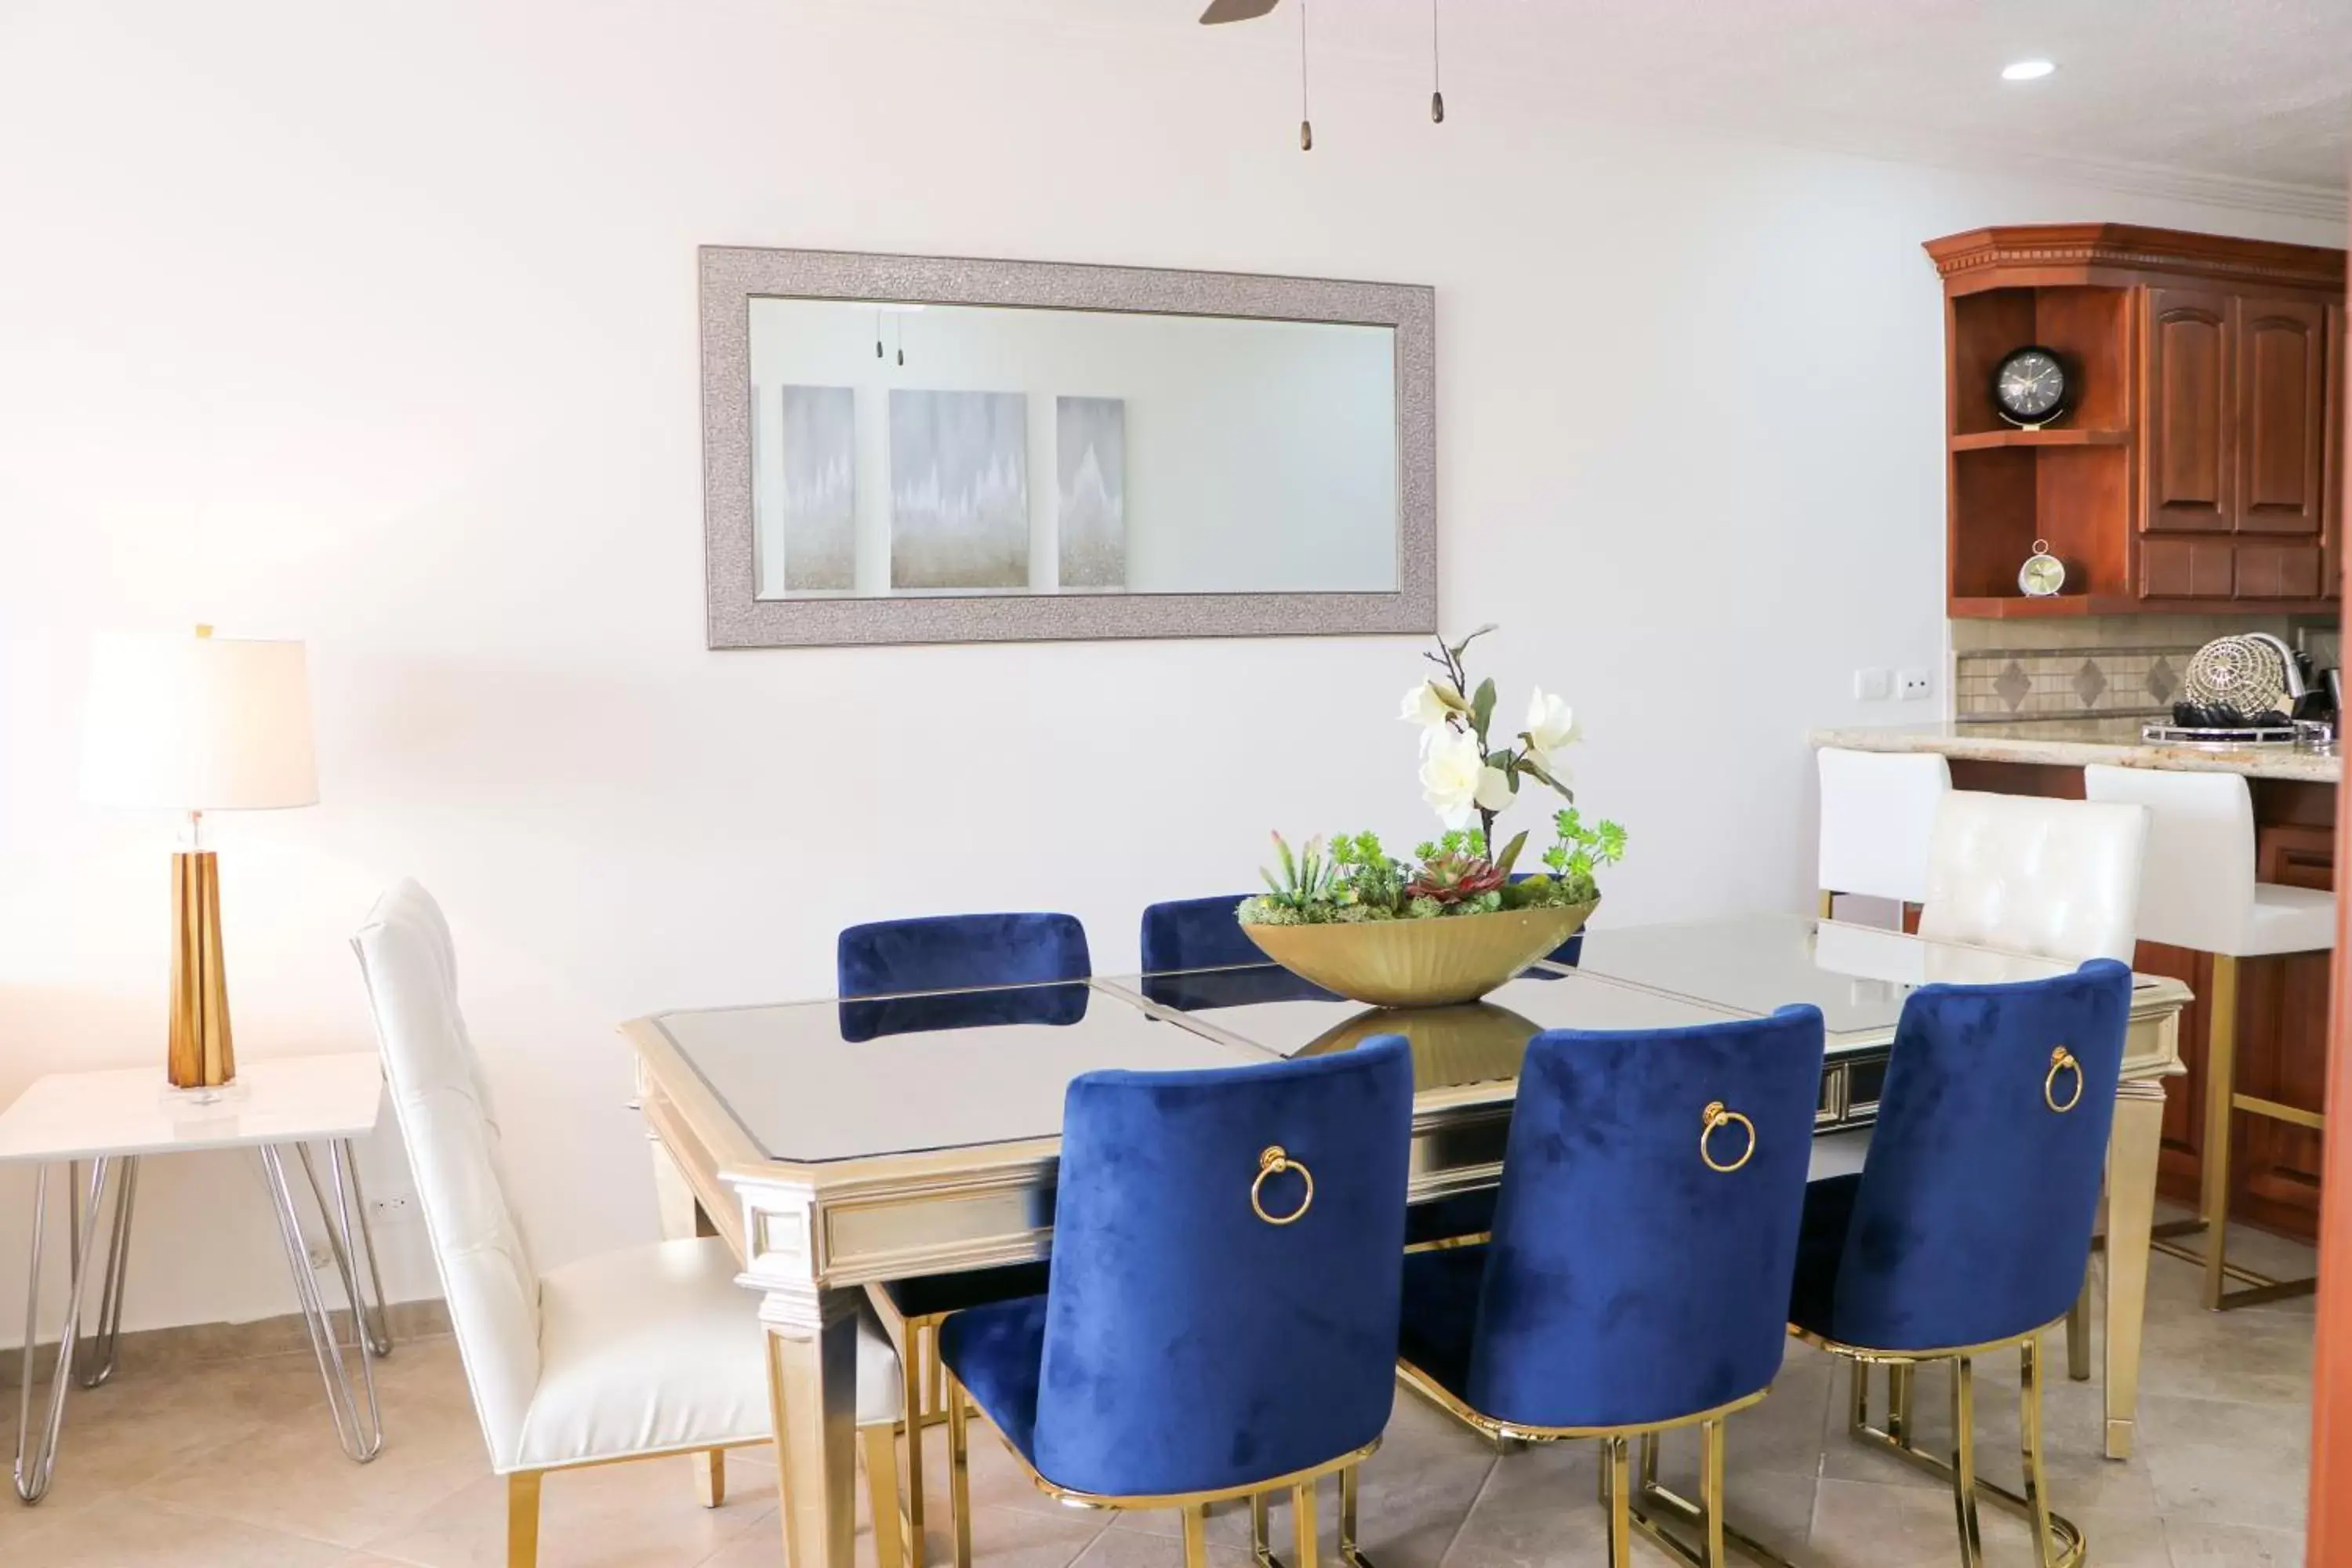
(2190, 443)
(2277, 571)
(2281, 414)
(2187, 568)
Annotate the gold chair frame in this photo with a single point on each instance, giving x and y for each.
(1192, 1505)
(2221, 1101)
(2059, 1542)
(1646, 1507)
(876, 1450)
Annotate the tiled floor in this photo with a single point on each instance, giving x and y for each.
(234, 1464)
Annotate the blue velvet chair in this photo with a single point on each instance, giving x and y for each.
(1968, 1227)
(883, 971)
(1221, 1318)
(1654, 1185)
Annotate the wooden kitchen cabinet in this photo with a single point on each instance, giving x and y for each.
(2190, 426)
(2197, 466)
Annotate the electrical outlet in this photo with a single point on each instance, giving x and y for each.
(1873, 685)
(393, 1209)
(1917, 685)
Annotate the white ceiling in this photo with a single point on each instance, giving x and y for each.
(2258, 91)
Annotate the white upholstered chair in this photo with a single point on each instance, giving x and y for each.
(648, 1350)
(1878, 816)
(2200, 891)
(2057, 878)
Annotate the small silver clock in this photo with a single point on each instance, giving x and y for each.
(2043, 575)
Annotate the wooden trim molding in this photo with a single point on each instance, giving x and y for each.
(2130, 249)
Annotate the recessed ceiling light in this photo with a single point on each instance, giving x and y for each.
(2027, 70)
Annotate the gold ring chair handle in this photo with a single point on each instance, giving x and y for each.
(1273, 1162)
(1718, 1115)
(2061, 1060)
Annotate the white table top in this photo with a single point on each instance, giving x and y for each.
(132, 1111)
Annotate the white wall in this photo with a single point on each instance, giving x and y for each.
(377, 328)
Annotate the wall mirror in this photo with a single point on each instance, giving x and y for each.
(901, 448)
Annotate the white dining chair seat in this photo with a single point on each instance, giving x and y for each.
(2290, 920)
(652, 1348)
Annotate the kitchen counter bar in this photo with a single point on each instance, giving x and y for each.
(2074, 745)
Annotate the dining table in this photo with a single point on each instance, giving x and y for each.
(843, 1143)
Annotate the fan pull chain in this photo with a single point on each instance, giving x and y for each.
(1436, 71)
(1305, 125)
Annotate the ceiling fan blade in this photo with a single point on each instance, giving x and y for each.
(1221, 11)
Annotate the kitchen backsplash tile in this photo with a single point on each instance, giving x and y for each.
(2107, 668)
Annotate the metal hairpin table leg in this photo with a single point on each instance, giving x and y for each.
(376, 1318)
(359, 1422)
(37, 1454)
(118, 1264)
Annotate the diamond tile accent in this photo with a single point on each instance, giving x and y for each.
(2163, 684)
(2090, 682)
(2013, 685)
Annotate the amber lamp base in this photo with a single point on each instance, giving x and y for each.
(201, 1055)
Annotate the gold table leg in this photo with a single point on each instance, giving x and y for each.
(812, 1391)
(2131, 1210)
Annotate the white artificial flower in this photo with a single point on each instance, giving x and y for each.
(1494, 789)
(1452, 769)
(1426, 706)
(1551, 726)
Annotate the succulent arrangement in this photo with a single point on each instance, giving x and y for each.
(1469, 781)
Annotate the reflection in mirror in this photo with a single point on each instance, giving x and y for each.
(1475, 1043)
(1199, 990)
(1058, 1003)
(906, 449)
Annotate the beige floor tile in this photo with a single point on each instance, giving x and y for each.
(124, 1532)
(295, 1479)
(2214, 1462)
(2195, 1545)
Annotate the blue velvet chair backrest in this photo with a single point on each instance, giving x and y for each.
(1972, 1221)
(1192, 934)
(1627, 1282)
(1189, 1345)
(963, 953)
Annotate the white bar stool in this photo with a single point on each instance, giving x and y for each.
(1878, 814)
(2200, 891)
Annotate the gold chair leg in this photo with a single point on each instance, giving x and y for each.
(959, 1472)
(1710, 1491)
(1306, 1530)
(2029, 1424)
(1261, 1532)
(1898, 1401)
(522, 1519)
(1964, 1461)
(1829, 903)
(881, 1454)
(1196, 1533)
(910, 1369)
(2220, 1086)
(1350, 1556)
(710, 1477)
(1616, 1489)
(934, 1374)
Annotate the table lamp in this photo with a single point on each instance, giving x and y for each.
(196, 724)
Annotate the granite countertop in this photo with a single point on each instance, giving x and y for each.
(2073, 744)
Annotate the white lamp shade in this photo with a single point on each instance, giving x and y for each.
(198, 723)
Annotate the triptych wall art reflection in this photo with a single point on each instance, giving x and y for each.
(950, 508)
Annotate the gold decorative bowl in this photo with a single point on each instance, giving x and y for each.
(1421, 963)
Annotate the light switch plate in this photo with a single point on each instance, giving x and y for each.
(1873, 685)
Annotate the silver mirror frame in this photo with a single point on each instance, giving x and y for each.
(734, 276)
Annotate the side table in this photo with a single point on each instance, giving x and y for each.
(112, 1120)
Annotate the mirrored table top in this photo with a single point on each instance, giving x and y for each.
(838, 1080)
(813, 1081)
